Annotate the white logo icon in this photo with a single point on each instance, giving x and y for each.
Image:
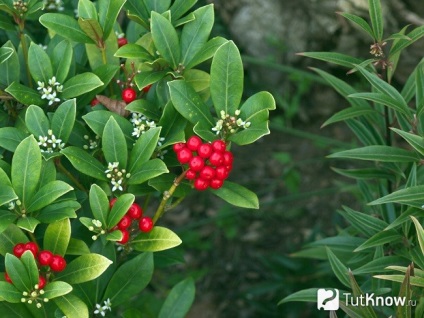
(328, 299)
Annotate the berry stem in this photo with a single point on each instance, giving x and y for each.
(167, 195)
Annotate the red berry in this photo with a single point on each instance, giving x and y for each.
(221, 173)
(41, 282)
(58, 263)
(122, 42)
(19, 249)
(7, 278)
(216, 159)
(129, 94)
(201, 184)
(125, 222)
(125, 237)
(228, 158)
(112, 202)
(146, 89)
(205, 150)
(184, 155)
(146, 224)
(31, 246)
(178, 146)
(190, 174)
(94, 102)
(216, 183)
(219, 145)
(207, 173)
(135, 211)
(45, 258)
(196, 163)
(193, 143)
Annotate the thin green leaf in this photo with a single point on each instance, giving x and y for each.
(349, 113)
(99, 203)
(376, 15)
(237, 195)
(410, 196)
(179, 300)
(39, 64)
(85, 163)
(335, 58)
(57, 236)
(72, 306)
(377, 153)
(360, 22)
(143, 149)
(339, 269)
(399, 106)
(384, 237)
(114, 145)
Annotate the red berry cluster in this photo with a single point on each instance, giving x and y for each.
(134, 214)
(209, 164)
(44, 258)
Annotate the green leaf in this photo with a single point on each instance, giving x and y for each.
(419, 89)
(306, 295)
(61, 59)
(143, 149)
(148, 77)
(39, 64)
(30, 265)
(364, 223)
(47, 194)
(415, 281)
(409, 196)
(189, 104)
(77, 247)
(339, 269)
(195, 34)
(417, 142)
(85, 163)
(412, 36)
(399, 106)
(173, 125)
(10, 69)
(99, 203)
(6, 218)
(10, 293)
(56, 289)
(18, 273)
(92, 28)
(87, 9)
(58, 211)
(7, 194)
(11, 137)
(179, 7)
(5, 54)
(80, 84)
(147, 171)
(65, 26)
(130, 278)
(165, 38)
(133, 51)
(179, 300)
(405, 293)
(28, 223)
(158, 239)
(84, 268)
(26, 169)
(36, 121)
(10, 237)
(226, 78)
(99, 57)
(333, 57)
(108, 14)
(207, 51)
(63, 120)
(57, 236)
(237, 195)
(119, 209)
(359, 22)
(72, 306)
(377, 153)
(114, 145)
(24, 94)
(378, 265)
(348, 113)
(366, 311)
(380, 238)
(145, 107)
(420, 232)
(376, 16)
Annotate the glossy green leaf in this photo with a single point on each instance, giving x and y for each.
(166, 39)
(120, 207)
(399, 106)
(10, 293)
(420, 232)
(417, 142)
(11, 137)
(92, 28)
(147, 171)
(99, 203)
(305, 295)
(364, 223)
(18, 273)
(114, 145)
(114, 235)
(85, 163)
(63, 120)
(47, 194)
(158, 239)
(348, 113)
(39, 64)
(72, 306)
(57, 236)
(412, 36)
(143, 149)
(7, 194)
(26, 169)
(87, 9)
(226, 78)
(419, 88)
(77, 247)
(6, 218)
(410, 196)
(24, 94)
(80, 84)
(130, 278)
(10, 237)
(108, 14)
(376, 15)
(56, 289)
(237, 195)
(179, 300)
(36, 121)
(28, 223)
(10, 69)
(149, 77)
(58, 211)
(66, 26)
(179, 7)
(339, 269)
(380, 238)
(377, 153)
(157, 6)
(62, 60)
(98, 57)
(414, 281)
(164, 181)
(357, 20)
(378, 265)
(173, 125)
(30, 265)
(84, 268)
(5, 54)
(334, 58)
(133, 51)
(206, 52)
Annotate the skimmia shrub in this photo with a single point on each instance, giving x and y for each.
(112, 112)
(381, 252)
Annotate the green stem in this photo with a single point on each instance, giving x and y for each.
(22, 39)
(167, 195)
(69, 175)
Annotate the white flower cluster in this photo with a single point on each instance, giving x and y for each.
(34, 297)
(97, 228)
(54, 5)
(92, 144)
(101, 310)
(141, 124)
(116, 176)
(230, 123)
(50, 143)
(51, 90)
